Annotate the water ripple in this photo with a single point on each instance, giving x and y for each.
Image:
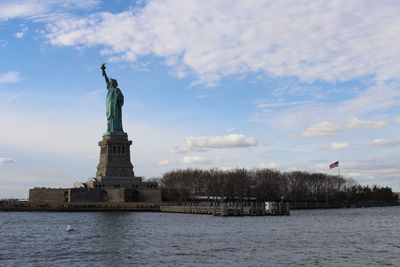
(342, 237)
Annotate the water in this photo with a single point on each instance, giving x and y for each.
(340, 237)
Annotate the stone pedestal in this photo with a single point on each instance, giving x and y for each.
(115, 157)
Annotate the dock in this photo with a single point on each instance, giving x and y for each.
(210, 208)
(230, 208)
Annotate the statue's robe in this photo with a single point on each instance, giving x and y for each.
(115, 100)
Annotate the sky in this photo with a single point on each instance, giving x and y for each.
(288, 85)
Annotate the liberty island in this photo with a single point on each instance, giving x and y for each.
(115, 181)
(241, 192)
(116, 187)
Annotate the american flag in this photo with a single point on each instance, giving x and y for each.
(334, 165)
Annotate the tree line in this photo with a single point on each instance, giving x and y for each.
(267, 185)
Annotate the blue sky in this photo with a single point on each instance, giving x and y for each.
(207, 84)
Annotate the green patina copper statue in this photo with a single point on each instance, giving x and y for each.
(115, 100)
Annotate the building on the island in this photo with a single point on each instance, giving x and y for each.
(397, 194)
(115, 180)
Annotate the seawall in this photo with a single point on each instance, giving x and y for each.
(79, 207)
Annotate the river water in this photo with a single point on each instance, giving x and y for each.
(336, 237)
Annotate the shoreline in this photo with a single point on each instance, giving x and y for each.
(155, 207)
(342, 206)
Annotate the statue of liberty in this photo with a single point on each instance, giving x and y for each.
(115, 101)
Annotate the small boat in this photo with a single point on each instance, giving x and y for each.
(69, 228)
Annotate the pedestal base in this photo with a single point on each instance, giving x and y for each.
(115, 159)
(117, 182)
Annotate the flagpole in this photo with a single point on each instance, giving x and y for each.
(339, 169)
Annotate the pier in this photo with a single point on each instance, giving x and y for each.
(210, 208)
(230, 208)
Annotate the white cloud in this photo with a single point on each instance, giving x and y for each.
(10, 77)
(270, 165)
(397, 119)
(373, 170)
(15, 9)
(275, 104)
(200, 160)
(12, 9)
(355, 122)
(221, 38)
(4, 160)
(381, 142)
(321, 129)
(200, 143)
(338, 146)
(21, 33)
(163, 162)
(376, 99)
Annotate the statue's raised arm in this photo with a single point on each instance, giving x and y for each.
(103, 72)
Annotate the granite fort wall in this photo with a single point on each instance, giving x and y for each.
(149, 195)
(86, 195)
(110, 195)
(48, 195)
(114, 195)
(131, 195)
